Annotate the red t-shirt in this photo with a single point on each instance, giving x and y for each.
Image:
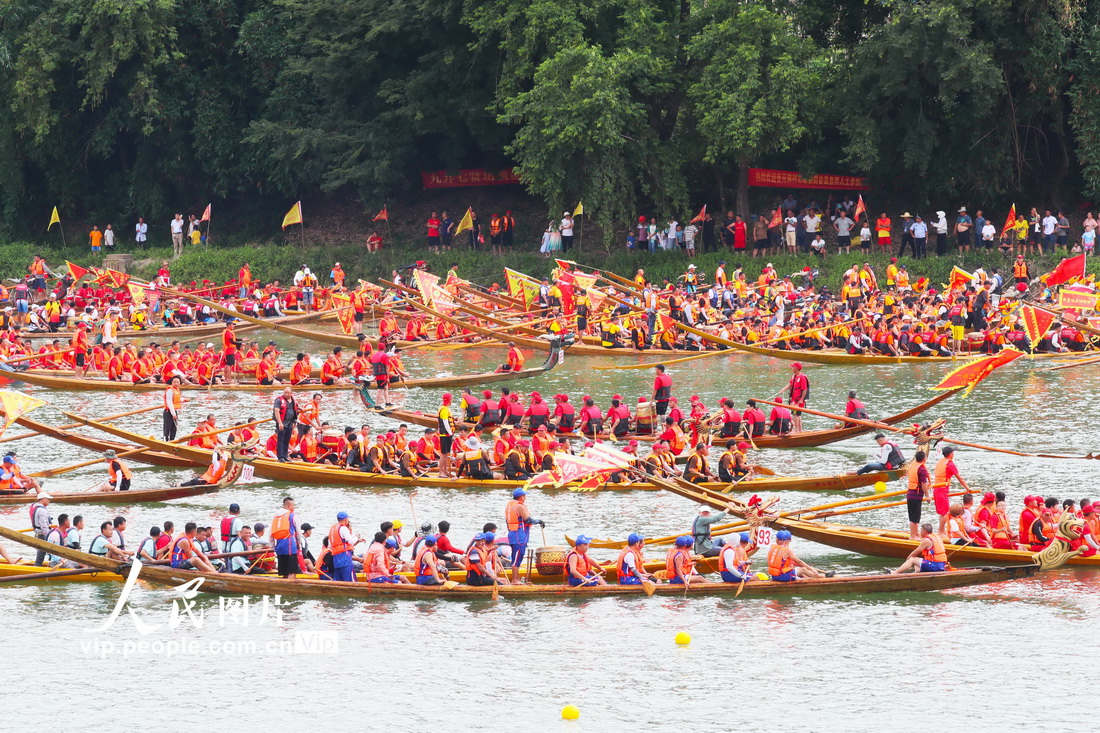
(433, 227)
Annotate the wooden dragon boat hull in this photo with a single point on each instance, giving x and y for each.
(320, 475)
(807, 439)
(227, 583)
(50, 381)
(134, 496)
(99, 446)
(8, 570)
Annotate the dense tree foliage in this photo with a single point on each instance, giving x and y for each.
(116, 108)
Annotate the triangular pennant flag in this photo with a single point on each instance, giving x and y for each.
(959, 278)
(701, 216)
(382, 215)
(1011, 220)
(55, 218)
(667, 324)
(206, 213)
(16, 405)
(76, 271)
(425, 281)
(583, 280)
(118, 278)
(777, 218)
(596, 298)
(1066, 270)
(344, 312)
(968, 375)
(579, 210)
(860, 208)
(137, 293)
(294, 216)
(1036, 322)
(467, 222)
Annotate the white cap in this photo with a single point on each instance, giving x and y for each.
(44, 495)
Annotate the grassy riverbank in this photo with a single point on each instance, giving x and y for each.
(271, 262)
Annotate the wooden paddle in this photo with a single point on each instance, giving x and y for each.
(49, 574)
(58, 471)
(79, 424)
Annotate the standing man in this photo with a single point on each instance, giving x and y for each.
(917, 493)
(798, 390)
(41, 521)
(446, 232)
(566, 231)
(177, 235)
(341, 542)
(109, 238)
(140, 232)
(434, 223)
(445, 427)
(95, 238)
(286, 415)
(941, 484)
(700, 532)
(284, 530)
(508, 230)
(1050, 229)
(918, 232)
(173, 399)
(519, 521)
(662, 390)
(964, 230)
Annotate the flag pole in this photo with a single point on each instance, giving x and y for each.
(389, 236)
(580, 236)
(209, 228)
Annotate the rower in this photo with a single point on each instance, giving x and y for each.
(212, 475)
(474, 463)
(731, 420)
(103, 546)
(784, 566)
(781, 419)
(941, 484)
(147, 548)
(929, 555)
(733, 560)
(427, 564)
(173, 399)
(733, 463)
(231, 526)
(285, 533)
(565, 414)
(630, 565)
(753, 420)
(888, 457)
(185, 555)
(241, 542)
(118, 474)
(56, 536)
(469, 405)
(854, 409)
(696, 470)
(677, 441)
(580, 569)
(680, 565)
(40, 519)
(1028, 515)
(798, 390)
(700, 532)
(20, 479)
(341, 542)
(480, 563)
(514, 361)
(519, 521)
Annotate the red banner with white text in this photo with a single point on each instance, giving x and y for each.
(794, 179)
(469, 177)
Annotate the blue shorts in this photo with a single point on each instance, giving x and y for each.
(677, 581)
(22, 306)
(786, 577)
(307, 296)
(729, 577)
(385, 579)
(632, 580)
(578, 581)
(932, 567)
(518, 553)
(427, 580)
(345, 574)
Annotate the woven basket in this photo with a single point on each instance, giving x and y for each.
(550, 560)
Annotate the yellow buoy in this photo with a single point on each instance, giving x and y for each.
(683, 638)
(570, 712)
(763, 576)
(880, 487)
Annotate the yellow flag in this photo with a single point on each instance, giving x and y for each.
(579, 210)
(16, 405)
(294, 216)
(137, 293)
(466, 223)
(55, 218)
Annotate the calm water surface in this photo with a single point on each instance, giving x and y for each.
(982, 657)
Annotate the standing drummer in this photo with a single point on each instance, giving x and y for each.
(798, 390)
(941, 484)
(519, 520)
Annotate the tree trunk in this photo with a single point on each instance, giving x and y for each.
(721, 192)
(743, 189)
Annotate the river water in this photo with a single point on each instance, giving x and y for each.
(989, 658)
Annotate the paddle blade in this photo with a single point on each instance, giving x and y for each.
(649, 587)
(450, 585)
(496, 591)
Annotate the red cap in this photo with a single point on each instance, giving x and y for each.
(589, 444)
(796, 365)
(742, 446)
(893, 259)
(1086, 508)
(693, 398)
(486, 394)
(616, 397)
(633, 443)
(989, 498)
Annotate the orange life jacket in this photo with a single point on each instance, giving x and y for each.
(639, 563)
(779, 560)
(336, 543)
(935, 553)
(687, 565)
(280, 526)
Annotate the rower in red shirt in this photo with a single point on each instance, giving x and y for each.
(662, 390)
(229, 354)
(332, 371)
(798, 390)
(515, 360)
(79, 344)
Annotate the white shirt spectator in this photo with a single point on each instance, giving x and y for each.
(940, 224)
(109, 236)
(689, 233)
(567, 226)
(919, 230)
(177, 226)
(865, 234)
(988, 232)
(792, 223)
(141, 230)
(818, 244)
(1049, 224)
(812, 221)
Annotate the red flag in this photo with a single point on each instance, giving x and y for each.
(666, 323)
(860, 208)
(76, 271)
(383, 215)
(969, 374)
(1011, 220)
(118, 278)
(1067, 269)
(777, 217)
(206, 213)
(701, 216)
(1036, 322)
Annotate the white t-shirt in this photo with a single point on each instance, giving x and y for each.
(1049, 224)
(818, 243)
(567, 227)
(177, 226)
(812, 222)
(689, 233)
(988, 232)
(109, 237)
(140, 228)
(865, 234)
(792, 223)
(630, 562)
